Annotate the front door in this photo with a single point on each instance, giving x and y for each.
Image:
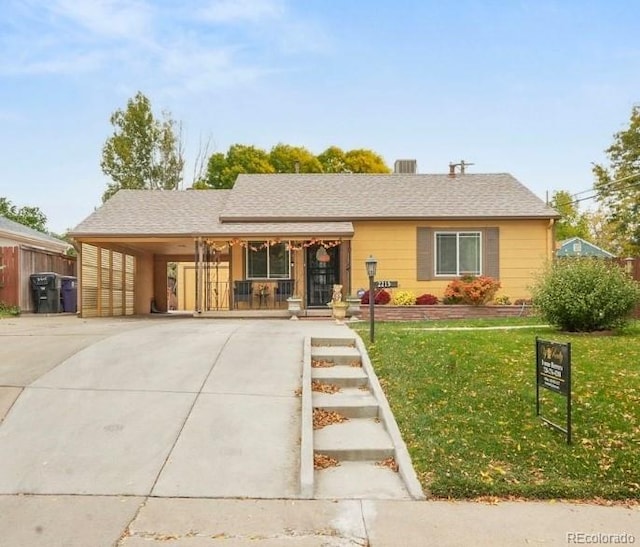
(323, 271)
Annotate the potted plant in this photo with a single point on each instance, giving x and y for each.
(337, 305)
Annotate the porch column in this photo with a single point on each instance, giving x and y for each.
(199, 274)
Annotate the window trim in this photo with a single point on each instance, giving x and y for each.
(457, 233)
(425, 250)
(269, 277)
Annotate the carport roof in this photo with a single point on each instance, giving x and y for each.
(140, 213)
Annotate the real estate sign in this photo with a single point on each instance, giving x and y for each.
(553, 372)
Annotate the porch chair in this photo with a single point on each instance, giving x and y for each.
(242, 292)
(284, 289)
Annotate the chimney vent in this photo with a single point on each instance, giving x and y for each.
(461, 165)
(405, 167)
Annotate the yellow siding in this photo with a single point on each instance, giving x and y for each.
(525, 246)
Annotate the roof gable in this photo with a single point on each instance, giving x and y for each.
(576, 246)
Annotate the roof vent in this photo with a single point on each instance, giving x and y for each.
(405, 167)
(461, 165)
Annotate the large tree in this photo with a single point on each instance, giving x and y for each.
(573, 223)
(29, 216)
(291, 159)
(618, 185)
(143, 152)
(223, 169)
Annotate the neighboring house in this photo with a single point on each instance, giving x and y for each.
(577, 246)
(25, 251)
(274, 235)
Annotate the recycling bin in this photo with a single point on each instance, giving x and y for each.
(69, 293)
(45, 291)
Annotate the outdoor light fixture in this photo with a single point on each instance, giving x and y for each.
(371, 264)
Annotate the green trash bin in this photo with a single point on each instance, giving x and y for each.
(45, 291)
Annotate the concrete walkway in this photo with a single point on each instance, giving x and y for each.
(122, 431)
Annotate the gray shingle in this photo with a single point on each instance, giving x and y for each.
(357, 196)
(186, 213)
(318, 204)
(11, 227)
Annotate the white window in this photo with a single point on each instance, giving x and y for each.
(458, 253)
(266, 261)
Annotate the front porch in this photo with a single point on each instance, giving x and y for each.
(249, 277)
(253, 278)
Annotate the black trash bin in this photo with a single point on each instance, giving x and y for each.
(69, 288)
(45, 290)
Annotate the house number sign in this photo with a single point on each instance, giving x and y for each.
(386, 284)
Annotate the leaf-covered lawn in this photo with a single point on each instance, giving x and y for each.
(465, 403)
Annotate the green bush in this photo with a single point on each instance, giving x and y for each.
(585, 295)
(502, 300)
(5, 309)
(403, 298)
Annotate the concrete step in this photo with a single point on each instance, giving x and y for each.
(350, 402)
(343, 376)
(359, 480)
(340, 355)
(353, 440)
(349, 341)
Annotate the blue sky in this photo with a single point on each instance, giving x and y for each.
(533, 88)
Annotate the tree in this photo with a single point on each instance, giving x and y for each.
(291, 159)
(365, 161)
(32, 217)
(602, 232)
(223, 169)
(573, 223)
(618, 186)
(143, 152)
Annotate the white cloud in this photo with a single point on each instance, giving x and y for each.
(229, 11)
(61, 64)
(114, 18)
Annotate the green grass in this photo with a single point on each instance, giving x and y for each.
(465, 403)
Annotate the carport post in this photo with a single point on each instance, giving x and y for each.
(199, 274)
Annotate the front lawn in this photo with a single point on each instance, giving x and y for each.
(465, 403)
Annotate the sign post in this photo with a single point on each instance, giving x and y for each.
(553, 372)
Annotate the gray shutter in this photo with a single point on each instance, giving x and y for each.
(492, 252)
(424, 257)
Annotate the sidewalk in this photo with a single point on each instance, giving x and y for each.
(185, 432)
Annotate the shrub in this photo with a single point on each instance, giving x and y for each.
(503, 300)
(6, 309)
(585, 295)
(381, 297)
(471, 290)
(403, 298)
(427, 300)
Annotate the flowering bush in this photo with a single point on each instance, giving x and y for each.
(381, 297)
(471, 290)
(427, 300)
(503, 300)
(403, 298)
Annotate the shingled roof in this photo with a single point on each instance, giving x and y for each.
(10, 229)
(143, 213)
(311, 204)
(256, 198)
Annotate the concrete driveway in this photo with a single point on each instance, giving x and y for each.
(177, 407)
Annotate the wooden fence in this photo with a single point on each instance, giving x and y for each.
(16, 266)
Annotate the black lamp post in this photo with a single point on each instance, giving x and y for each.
(371, 264)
